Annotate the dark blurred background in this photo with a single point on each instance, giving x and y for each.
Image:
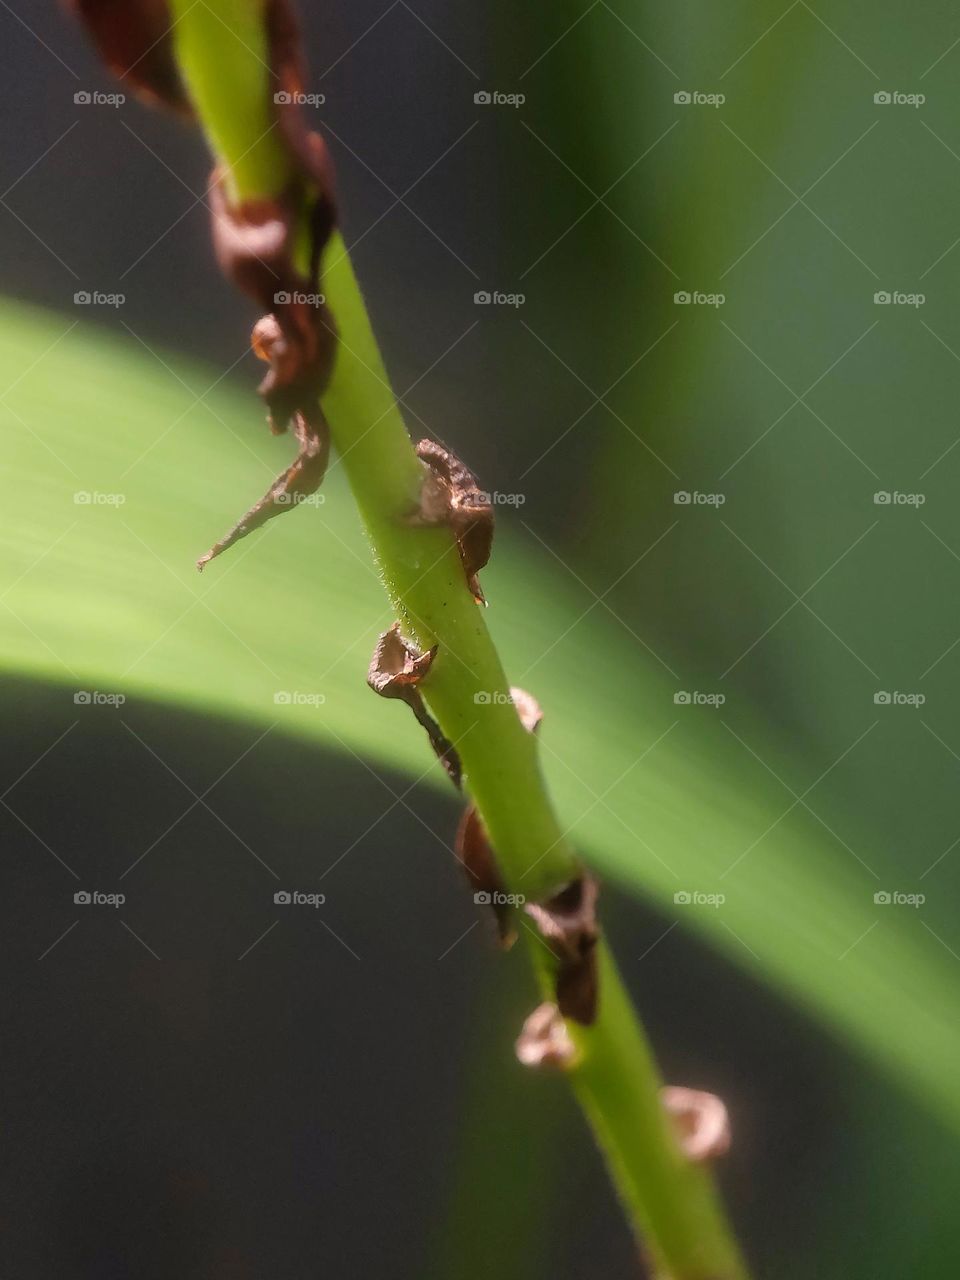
(221, 1095)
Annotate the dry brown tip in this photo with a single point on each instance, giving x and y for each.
(301, 479)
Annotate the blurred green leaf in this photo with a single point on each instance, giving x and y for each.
(102, 594)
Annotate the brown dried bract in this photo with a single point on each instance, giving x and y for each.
(289, 72)
(568, 924)
(451, 495)
(254, 242)
(301, 479)
(544, 1043)
(473, 849)
(396, 670)
(258, 245)
(133, 39)
(472, 844)
(701, 1121)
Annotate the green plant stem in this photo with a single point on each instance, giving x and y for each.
(671, 1203)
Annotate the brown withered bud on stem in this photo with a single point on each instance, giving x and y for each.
(133, 38)
(451, 495)
(568, 924)
(472, 846)
(473, 849)
(566, 921)
(544, 1043)
(396, 670)
(258, 243)
(701, 1122)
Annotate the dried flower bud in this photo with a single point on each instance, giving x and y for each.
(544, 1043)
(396, 670)
(472, 845)
(701, 1121)
(567, 923)
(451, 495)
(255, 243)
(473, 849)
(258, 243)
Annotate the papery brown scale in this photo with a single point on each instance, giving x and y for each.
(472, 845)
(254, 244)
(397, 665)
(479, 862)
(568, 924)
(396, 670)
(257, 244)
(451, 495)
(288, 76)
(133, 37)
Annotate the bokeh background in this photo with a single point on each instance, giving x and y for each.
(203, 1084)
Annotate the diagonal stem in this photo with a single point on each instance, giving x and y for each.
(670, 1202)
